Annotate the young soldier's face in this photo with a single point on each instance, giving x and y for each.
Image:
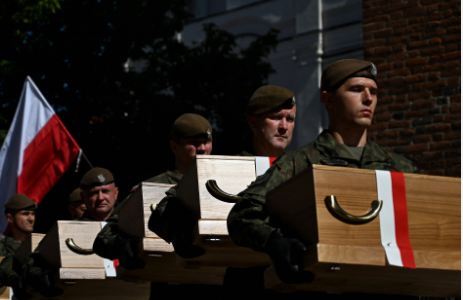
(23, 220)
(354, 103)
(274, 129)
(187, 148)
(100, 200)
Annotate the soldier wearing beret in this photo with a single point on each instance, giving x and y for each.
(191, 135)
(76, 205)
(20, 213)
(349, 93)
(98, 191)
(271, 115)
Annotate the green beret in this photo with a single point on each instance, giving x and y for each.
(75, 196)
(96, 177)
(336, 73)
(189, 125)
(268, 97)
(20, 201)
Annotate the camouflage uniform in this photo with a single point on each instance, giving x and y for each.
(248, 221)
(9, 265)
(104, 242)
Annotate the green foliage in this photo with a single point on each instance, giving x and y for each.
(77, 54)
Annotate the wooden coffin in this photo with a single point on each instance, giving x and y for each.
(158, 255)
(134, 217)
(81, 273)
(350, 258)
(232, 174)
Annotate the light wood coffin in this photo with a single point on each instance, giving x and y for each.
(350, 258)
(158, 255)
(83, 275)
(232, 174)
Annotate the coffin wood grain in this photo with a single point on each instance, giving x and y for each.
(157, 245)
(433, 205)
(55, 251)
(232, 173)
(134, 217)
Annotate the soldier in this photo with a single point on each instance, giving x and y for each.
(271, 115)
(76, 205)
(349, 92)
(20, 213)
(191, 135)
(98, 192)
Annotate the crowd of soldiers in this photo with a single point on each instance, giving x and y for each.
(348, 91)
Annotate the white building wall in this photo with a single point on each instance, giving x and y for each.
(298, 59)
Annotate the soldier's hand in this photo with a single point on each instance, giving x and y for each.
(286, 257)
(184, 247)
(19, 288)
(45, 283)
(128, 253)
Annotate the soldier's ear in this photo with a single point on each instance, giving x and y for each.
(252, 122)
(9, 217)
(328, 100)
(173, 146)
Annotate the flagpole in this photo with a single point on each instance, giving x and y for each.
(91, 166)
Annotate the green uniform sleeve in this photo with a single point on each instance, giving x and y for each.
(32, 263)
(248, 222)
(105, 242)
(9, 265)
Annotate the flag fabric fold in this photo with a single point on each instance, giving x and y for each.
(37, 149)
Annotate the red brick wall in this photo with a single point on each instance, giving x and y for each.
(416, 47)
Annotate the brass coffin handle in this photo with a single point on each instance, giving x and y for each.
(217, 193)
(71, 245)
(346, 217)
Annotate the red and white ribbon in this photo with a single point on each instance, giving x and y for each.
(394, 219)
(109, 265)
(263, 163)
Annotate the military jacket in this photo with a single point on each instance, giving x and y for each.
(104, 244)
(9, 265)
(249, 224)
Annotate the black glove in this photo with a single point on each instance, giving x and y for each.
(18, 287)
(177, 225)
(45, 283)
(128, 253)
(285, 254)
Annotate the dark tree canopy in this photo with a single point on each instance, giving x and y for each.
(77, 52)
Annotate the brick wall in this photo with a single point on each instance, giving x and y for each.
(416, 47)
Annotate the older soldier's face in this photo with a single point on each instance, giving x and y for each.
(23, 220)
(100, 200)
(274, 129)
(354, 103)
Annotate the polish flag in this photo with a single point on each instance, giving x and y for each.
(393, 219)
(36, 152)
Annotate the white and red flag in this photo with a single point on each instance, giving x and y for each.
(36, 152)
(393, 219)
